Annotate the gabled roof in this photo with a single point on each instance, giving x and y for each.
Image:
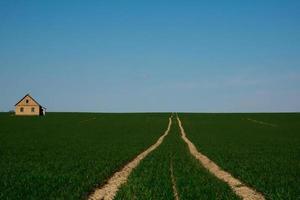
(28, 95)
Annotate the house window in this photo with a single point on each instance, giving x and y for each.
(21, 109)
(32, 109)
(27, 100)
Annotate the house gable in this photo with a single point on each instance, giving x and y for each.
(27, 100)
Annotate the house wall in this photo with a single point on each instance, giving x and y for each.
(27, 110)
(27, 106)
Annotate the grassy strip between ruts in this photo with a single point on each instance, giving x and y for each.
(152, 178)
(67, 155)
(264, 157)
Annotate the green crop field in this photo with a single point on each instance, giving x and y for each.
(152, 178)
(69, 155)
(65, 156)
(263, 150)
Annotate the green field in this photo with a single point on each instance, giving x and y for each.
(65, 156)
(152, 178)
(68, 155)
(266, 155)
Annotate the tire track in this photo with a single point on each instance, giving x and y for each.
(236, 185)
(176, 196)
(261, 122)
(109, 190)
(89, 119)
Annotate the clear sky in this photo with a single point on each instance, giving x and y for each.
(132, 56)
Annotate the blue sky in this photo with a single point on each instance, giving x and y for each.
(135, 56)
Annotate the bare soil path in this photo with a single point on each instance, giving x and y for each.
(109, 190)
(236, 185)
(176, 196)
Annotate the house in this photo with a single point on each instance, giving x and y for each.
(29, 107)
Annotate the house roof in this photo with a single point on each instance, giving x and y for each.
(28, 95)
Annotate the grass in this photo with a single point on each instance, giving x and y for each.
(264, 156)
(152, 178)
(66, 155)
